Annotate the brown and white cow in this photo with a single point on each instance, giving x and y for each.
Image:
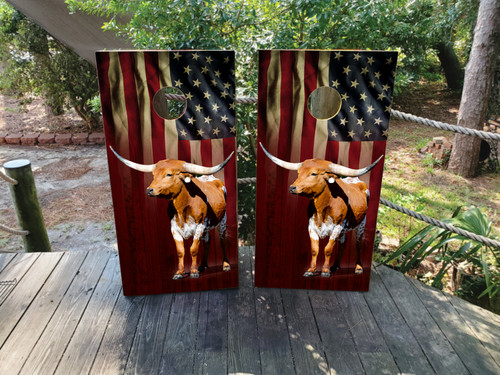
(337, 206)
(198, 205)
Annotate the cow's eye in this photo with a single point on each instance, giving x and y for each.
(168, 175)
(314, 174)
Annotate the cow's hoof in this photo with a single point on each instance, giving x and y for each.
(325, 274)
(194, 275)
(309, 274)
(358, 270)
(178, 276)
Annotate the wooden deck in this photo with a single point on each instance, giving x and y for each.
(64, 313)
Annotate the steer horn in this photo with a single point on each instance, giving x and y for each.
(281, 163)
(131, 164)
(199, 169)
(348, 172)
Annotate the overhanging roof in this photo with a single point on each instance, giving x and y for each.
(80, 32)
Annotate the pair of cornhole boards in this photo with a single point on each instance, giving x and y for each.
(181, 105)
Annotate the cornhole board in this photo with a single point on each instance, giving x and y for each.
(350, 94)
(140, 128)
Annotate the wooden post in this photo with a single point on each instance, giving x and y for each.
(29, 213)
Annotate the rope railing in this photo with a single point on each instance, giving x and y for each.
(429, 220)
(10, 180)
(394, 113)
(16, 232)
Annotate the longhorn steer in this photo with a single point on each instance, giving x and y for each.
(337, 205)
(198, 205)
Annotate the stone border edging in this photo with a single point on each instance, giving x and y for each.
(95, 138)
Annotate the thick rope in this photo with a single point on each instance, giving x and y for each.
(429, 220)
(14, 231)
(10, 180)
(445, 126)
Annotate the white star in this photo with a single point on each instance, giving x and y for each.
(191, 120)
(199, 107)
(372, 83)
(227, 85)
(178, 83)
(207, 120)
(370, 109)
(371, 60)
(232, 106)
(378, 121)
(386, 87)
(233, 129)
(217, 73)
(223, 118)
(226, 59)
(354, 83)
(360, 121)
(351, 134)
(338, 55)
(333, 133)
(206, 95)
(363, 96)
(215, 107)
(189, 96)
(224, 94)
(388, 109)
(196, 83)
(356, 56)
(377, 75)
(347, 70)
(213, 82)
(385, 133)
(183, 132)
(381, 96)
(177, 55)
(195, 56)
(345, 97)
(187, 69)
(209, 59)
(343, 122)
(352, 109)
(364, 70)
(204, 69)
(368, 133)
(216, 131)
(388, 61)
(335, 83)
(200, 132)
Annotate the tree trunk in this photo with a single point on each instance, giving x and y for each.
(451, 66)
(479, 72)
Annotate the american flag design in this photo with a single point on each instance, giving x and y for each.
(204, 134)
(355, 137)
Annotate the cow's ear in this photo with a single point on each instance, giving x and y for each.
(330, 179)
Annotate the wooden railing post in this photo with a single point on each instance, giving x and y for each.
(29, 213)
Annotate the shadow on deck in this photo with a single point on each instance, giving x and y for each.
(64, 313)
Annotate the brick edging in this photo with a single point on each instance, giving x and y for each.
(95, 138)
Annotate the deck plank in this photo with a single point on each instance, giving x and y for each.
(399, 338)
(370, 344)
(338, 343)
(179, 347)
(19, 346)
(84, 344)
(31, 271)
(52, 344)
(274, 342)
(146, 352)
(5, 259)
(307, 347)
(468, 347)
(433, 342)
(482, 322)
(69, 308)
(212, 343)
(243, 342)
(114, 350)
